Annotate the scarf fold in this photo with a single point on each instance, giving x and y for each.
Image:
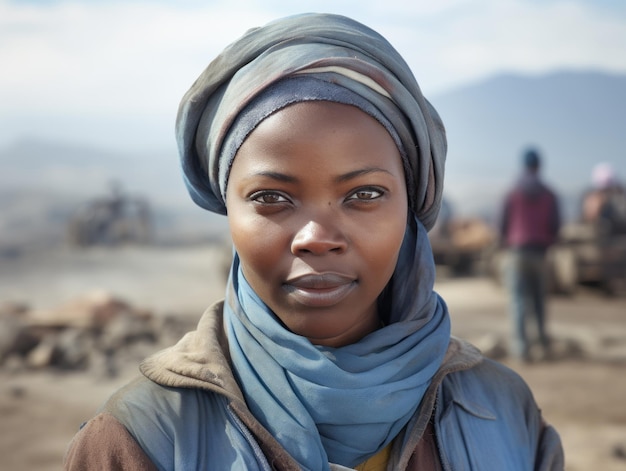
(341, 405)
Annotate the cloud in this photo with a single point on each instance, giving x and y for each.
(469, 40)
(131, 57)
(135, 59)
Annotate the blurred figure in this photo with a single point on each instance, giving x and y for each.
(530, 223)
(605, 203)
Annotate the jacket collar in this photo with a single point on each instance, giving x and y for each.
(200, 360)
(460, 356)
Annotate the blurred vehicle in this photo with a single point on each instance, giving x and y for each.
(588, 254)
(111, 220)
(463, 244)
(593, 250)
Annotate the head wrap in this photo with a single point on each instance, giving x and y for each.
(327, 49)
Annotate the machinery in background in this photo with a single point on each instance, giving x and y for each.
(111, 220)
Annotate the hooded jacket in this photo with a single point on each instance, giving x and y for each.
(187, 413)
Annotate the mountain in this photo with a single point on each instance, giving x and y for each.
(44, 183)
(35, 164)
(576, 119)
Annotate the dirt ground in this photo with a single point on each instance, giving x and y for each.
(582, 391)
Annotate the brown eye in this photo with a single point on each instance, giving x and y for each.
(366, 194)
(268, 197)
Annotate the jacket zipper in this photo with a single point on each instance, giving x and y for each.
(258, 453)
(442, 458)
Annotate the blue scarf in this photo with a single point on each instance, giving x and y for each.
(341, 405)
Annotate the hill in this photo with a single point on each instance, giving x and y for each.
(575, 118)
(43, 183)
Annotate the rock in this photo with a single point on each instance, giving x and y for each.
(569, 348)
(170, 328)
(619, 451)
(492, 346)
(96, 331)
(73, 348)
(94, 309)
(104, 364)
(16, 338)
(13, 309)
(126, 329)
(42, 355)
(14, 364)
(17, 392)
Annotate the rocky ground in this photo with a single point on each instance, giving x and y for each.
(156, 293)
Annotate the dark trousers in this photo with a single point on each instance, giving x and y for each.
(526, 280)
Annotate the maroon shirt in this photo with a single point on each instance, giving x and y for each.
(530, 216)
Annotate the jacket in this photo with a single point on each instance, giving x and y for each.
(187, 413)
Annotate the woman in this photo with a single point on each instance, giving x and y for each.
(331, 349)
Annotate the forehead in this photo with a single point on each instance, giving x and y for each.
(304, 134)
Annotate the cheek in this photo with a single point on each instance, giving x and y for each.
(258, 244)
(384, 247)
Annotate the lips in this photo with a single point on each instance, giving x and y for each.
(320, 290)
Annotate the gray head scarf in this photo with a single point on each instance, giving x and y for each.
(333, 58)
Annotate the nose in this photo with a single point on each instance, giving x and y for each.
(319, 237)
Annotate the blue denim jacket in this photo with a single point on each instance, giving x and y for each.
(485, 419)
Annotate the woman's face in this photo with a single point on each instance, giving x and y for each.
(317, 208)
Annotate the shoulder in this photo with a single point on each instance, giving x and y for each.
(148, 426)
(551, 193)
(490, 403)
(104, 443)
(548, 190)
(143, 404)
(488, 389)
(490, 383)
(161, 417)
(479, 384)
(142, 396)
(488, 371)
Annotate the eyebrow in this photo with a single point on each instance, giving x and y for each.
(339, 179)
(275, 176)
(360, 172)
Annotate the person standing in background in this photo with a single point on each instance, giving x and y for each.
(530, 224)
(605, 203)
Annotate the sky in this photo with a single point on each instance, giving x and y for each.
(111, 72)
